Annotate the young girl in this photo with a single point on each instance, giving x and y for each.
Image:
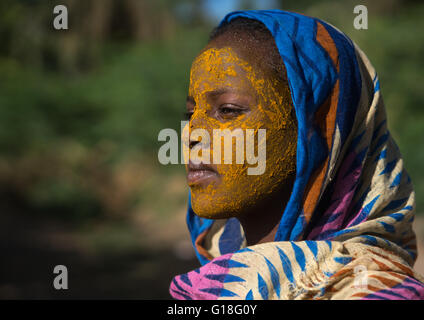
(331, 215)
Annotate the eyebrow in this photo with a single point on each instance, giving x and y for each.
(213, 94)
(216, 93)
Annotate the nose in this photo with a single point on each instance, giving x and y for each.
(197, 121)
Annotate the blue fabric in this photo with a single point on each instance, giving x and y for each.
(196, 226)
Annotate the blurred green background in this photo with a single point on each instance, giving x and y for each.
(80, 111)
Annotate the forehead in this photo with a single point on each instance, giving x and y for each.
(221, 66)
(214, 59)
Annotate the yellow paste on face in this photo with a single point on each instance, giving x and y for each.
(236, 191)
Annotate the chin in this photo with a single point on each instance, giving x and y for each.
(211, 210)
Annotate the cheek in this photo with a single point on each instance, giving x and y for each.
(232, 193)
(280, 164)
(237, 191)
(281, 148)
(228, 198)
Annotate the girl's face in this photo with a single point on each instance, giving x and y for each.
(227, 92)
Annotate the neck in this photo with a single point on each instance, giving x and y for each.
(261, 223)
(259, 231)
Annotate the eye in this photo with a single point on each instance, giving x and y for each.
(230, 110)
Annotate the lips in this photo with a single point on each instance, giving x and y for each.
(200, 174)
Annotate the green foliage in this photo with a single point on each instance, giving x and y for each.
(122, 104)
(137, 91)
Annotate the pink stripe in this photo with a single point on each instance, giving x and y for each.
(342, 197)
(199, 281)
(400, 289)
(382, 295)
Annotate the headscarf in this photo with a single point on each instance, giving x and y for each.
(346, 231)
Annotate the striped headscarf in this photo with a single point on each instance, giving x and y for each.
(346, 231)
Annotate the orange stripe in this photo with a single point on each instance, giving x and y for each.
(411, 238)
(199, 245)
(363, 294)
(341, 272)
(325, 40)
(372, 288)
(387, 282)
(405, 269)
(313, 190)
(326, 119)
(397, 275)
(381, 265)
(412, 246)
(360, 294)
